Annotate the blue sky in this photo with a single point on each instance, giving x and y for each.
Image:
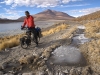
(14, 9)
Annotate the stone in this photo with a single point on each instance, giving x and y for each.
(27, 74)
(11, 71)
(19, 74)
(1, 73)
(95, 74)
(90, 70)
(56, 72)
(73, 72)
(41, 73)
(79, 69)
(66, 71)
(50, 73)
(85, 71)
(51, 63)
(0, 68)
(4, 65)
(8, 74)
(7, 49)
(45, 59)
(62, 73)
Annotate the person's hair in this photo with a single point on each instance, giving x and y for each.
(27, 12)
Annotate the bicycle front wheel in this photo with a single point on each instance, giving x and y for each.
(24, 45)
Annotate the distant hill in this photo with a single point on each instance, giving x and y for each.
(7, 20)
(50, 15)
(92, 16)
(4, 19)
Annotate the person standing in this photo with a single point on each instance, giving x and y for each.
(29, 21)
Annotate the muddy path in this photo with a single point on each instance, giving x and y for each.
(57, 54)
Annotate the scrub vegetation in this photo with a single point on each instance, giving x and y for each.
(91, 50)
(93, 29)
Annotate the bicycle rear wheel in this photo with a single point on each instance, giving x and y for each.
(38, 39)
(33, 38)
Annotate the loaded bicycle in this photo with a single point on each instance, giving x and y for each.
(27, 39)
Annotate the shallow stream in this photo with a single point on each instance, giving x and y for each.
(70, 55)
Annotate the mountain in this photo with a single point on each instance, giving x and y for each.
(50, 15)
(5, 20)
(92, 16)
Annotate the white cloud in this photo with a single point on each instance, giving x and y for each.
(81, 12)
(67, 1)
(77, 0)
(75, 5)
(38, 3)
(7, 2)
(14, 12)
(11, 14)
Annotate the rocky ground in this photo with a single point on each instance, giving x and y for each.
(35, 60)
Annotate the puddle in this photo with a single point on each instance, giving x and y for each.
(81, 27)
(79, 37)
(67, 55)
(71, 55)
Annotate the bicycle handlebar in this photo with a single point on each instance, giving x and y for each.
(24, 28)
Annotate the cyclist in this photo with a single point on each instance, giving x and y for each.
(29, 21)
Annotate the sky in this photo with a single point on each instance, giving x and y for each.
(13, 9)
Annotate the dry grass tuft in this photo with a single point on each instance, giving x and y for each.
(54, 30)
(91, 50)
(93, 29)
(69, 34)
(26, 59)
(9, 42)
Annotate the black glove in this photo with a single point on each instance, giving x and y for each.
(22, 27)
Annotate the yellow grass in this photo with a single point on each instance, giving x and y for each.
(69, 34)
(54, 30)
(92, 29)
(9, 42)
(91, 52)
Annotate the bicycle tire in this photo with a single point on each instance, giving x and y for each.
(38, 39)
(33, 38)
(24, 44)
